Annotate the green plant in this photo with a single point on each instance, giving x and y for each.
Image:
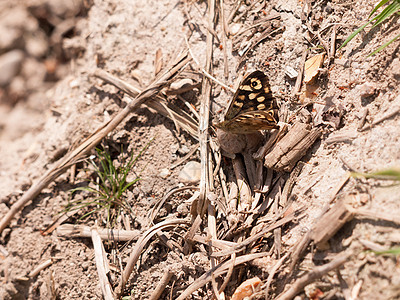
(107, 192)
(387, 174)
(392, 8)
(392, 251)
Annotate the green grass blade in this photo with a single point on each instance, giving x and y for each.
(394, 251)
(383, 2)
(384, 45)
(388, 174)
(129, 184)
(387, 12)
(351, 36)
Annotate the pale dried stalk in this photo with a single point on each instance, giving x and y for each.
(72, 230)
(217, 271)
(241, 246)
(273, 271)
(204, 117)
(75, 155)
(244, 188)
(40, 267)
(160, 105)
(310, 277)
(137, 250)
(101, 269)
(224, 35)
(299, 79)
(161, 285)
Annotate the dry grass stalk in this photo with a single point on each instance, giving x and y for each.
(218, 270)
(83, 149)
(245, 198)
(273, 271)
(224, 35)
(310, 277)
(267, 33)
(299, 79)
(163, 107)
(83, 231)
(101, 266)
(201, 204)
(140, 244)
(41, 267)
(157, 206)
(161, 285)
(242, 245)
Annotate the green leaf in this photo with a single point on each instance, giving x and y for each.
(384, 45)
(351, 36)
(394, 251)
(388, 174)
(387, 12)
(383, 2)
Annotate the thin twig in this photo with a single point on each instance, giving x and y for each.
(273, 271)
(217, 271)
(161, 285)
(299, 79)
(207, 74)
(224, 35)
(41, 267)
(101, 270)
(310, 277)
(137, 250)
(204, 118)
(82, 231)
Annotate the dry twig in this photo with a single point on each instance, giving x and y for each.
(201, 204)
(101, 267)
(310, 277)
(161, 285)
(137, 250)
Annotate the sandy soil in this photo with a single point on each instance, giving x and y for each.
(50, 101)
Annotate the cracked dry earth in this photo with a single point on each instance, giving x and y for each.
(50, 101)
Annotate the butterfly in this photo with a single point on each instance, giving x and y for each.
(252, 108)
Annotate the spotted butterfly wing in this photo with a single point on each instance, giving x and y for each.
(252, 108)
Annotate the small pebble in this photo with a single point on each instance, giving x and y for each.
(176, 85)
(191, 172)
(164, 173)
(396, 67)
(10, 65)
(292, 73)
(183, 150)
(235, 28)
(366, 89)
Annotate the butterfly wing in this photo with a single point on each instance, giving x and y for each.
(254, 93)
(252, 108)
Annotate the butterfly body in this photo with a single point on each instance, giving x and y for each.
(252, 108)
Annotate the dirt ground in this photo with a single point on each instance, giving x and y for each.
(50, 101)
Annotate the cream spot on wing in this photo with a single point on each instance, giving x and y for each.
(261, 106)
(261, 99)
(252, 96)
(242, 97)
(245, 88)
(238, 104)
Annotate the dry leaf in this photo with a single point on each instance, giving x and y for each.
(246, 289)
(158, 64)
(312, 67)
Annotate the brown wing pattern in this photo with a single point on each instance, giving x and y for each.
(252, 108)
